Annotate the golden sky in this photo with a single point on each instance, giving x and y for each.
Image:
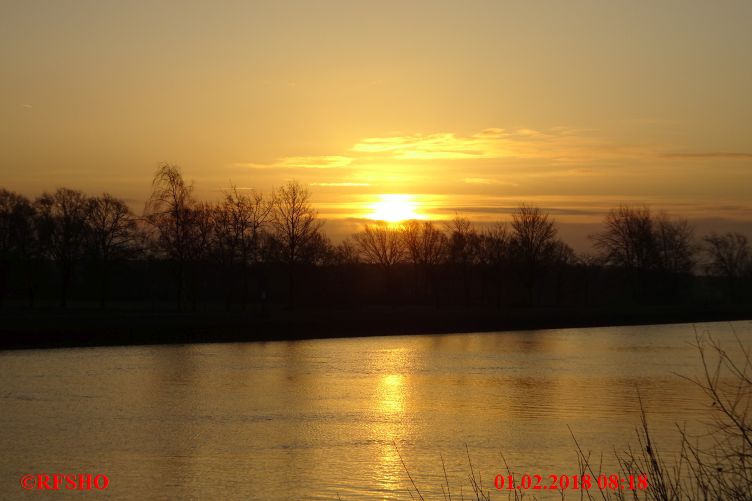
(474, 106)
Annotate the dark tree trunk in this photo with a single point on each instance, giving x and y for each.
(244, 287)
(291, 285)
(3, 280)
(31, 281)
(65, 275)
(180, 279)
(104, 284)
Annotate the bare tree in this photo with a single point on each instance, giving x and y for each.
(346, 252)
(112, 233)
(494, 245)
(562, 258)
(295, 219)
(462, 241)
(495, 255)
(259, 212)
(250, 213)
(17, 236)
(170, 212)
(425, 246)
(226, 239)
(729, 256)
(656, 252)
(225, 245)
(202, 217)
(318, 251)
(381, 244)
(462, 248)
(629, 239)
(295, 224)
(675, 245)
(241, 218)
(534, 234)
(63, 219)
(532, 244)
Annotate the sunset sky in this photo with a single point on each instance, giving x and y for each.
(475, 106)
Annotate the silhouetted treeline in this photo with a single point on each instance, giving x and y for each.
(251, 249)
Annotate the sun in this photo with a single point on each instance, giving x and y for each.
(394, 208)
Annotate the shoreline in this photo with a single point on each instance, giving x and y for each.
(53, 328)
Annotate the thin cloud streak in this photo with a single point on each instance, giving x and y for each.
(711, 154)
(337, 185)
(307, 162)
(487, 181)
(559, 145)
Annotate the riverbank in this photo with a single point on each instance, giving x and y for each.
(55, 328)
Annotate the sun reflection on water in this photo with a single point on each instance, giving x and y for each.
(389, 425)
(391, 394)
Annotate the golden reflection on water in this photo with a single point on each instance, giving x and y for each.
(392, 394)
(387, 474)
(389, 426)
(320, 419)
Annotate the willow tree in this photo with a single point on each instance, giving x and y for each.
(170, 211)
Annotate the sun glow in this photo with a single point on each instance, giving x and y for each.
(394, 208)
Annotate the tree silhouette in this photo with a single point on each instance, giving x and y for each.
(425, 246)
(210, 252)
(730, 257)
(382, 245)
(675, 245)
(495, 255)
(295, 224)
(63, 218)
(111, 235)
(16, 234)
(170, 212)
(628, 240)
(462, 247)
(346, 253)
(629, 243)
(225, 245)
(532, 244)
(250, 213)
(657, 253)
(561, 258)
